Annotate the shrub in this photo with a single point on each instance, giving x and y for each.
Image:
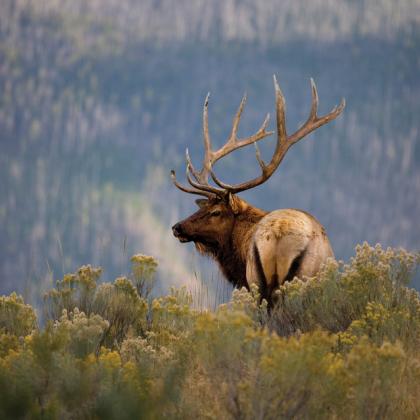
(74, 291)
(16, 317)
(343, 345)
(144, 269)
(118, 303)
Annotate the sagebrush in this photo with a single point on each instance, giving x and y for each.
(342, 345)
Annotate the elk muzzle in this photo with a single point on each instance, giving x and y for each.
(179, 232)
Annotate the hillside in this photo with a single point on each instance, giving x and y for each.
(99, 99)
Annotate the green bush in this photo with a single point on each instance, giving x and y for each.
(118, 303)
(343, 345)
(16, 317)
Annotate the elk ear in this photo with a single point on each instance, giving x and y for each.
(236, 204)
(201, 202)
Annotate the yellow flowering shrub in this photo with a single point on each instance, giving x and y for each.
(143, 271)
(342, 345)
(16, 317)
(74, 291)
(120, 304)
(171, 319)
(85, 333)
(8, 342)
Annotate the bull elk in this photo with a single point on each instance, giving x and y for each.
(250, 244)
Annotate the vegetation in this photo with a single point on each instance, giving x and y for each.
(95, 92)
(343, 345)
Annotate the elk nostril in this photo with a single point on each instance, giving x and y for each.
(176, 229)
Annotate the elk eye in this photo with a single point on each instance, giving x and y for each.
(215, 213)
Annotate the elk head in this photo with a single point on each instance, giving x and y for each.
(211, 226)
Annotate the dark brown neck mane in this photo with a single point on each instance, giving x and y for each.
(232, 254)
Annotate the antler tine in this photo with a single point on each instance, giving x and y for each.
(191, 166)
(259, 135)
(203, 187)
(227, 187)
(280, 115)
(203, 175)
(314, 105)
(236, 120)
(186, 189)
(259, 159)
(313, 122)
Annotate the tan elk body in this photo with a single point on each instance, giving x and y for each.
(253, 246)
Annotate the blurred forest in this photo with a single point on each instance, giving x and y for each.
(99, 99)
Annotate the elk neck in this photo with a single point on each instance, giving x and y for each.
(232, 255)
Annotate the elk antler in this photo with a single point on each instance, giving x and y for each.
(200, 181)
(284, 142)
